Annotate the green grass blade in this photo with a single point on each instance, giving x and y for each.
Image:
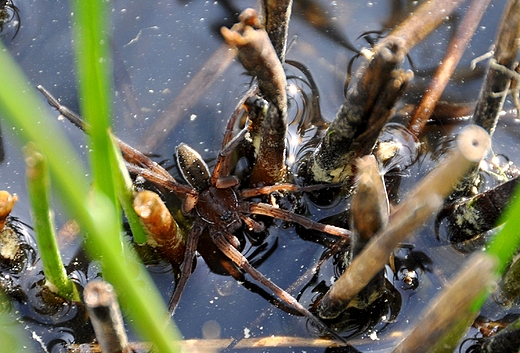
(124, 191)
(94, 82)
(22, 109)
(38, 188)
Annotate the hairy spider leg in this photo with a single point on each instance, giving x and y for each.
(130, 154)
(187, 265)
(271, 211)
(223, 165)
(240, 260)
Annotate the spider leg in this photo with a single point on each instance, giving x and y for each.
(168, 182)
(130, 154)
(187, 265)
(222, 167)
(265, 190)
(268, 210)
(252, 224)
(241, 261)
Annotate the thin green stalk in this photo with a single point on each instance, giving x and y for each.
(38, 186)
(125, 194)
(94, 82)
(23, 110)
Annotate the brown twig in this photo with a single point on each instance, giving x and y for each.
(475, 215)
(105, 315)
(422, 22)
(472, 144)
(7, 202)
(161, 227)
(369, 208)
(498, 81)
(331, 160)
(257, 55)
(443, 74)
(193, 345)
(276, 15)
(450, 305)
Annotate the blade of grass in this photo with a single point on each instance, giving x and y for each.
(38, 187)
(93, 73)
(24, 112)
(124, 191)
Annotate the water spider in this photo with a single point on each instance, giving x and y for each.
(214, 203)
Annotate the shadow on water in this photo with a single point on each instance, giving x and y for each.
(158, 49)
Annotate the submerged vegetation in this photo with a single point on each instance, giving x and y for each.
(348, 205)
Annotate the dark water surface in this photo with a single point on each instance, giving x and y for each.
(158, 48)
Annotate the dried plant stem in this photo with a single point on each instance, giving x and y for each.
(369, 208)
(480, 213)
(257, 55)
(422, 22)
(331, 160)
(498, 81)
(38, 187)
(192, 92)
(472, 144)
(449, 306)
(161, 226)
(443, 74)
(276, 15)
(202, 344)
(105, 315)
(7, 202)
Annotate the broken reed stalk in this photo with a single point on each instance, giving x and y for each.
(498, 80)
(369, 208)
(330, 162)
(258, 56)
(472, 216)
(7, 202)
(203, 345)
(38, 189)
(449, 306)
(105, 316)
(457, 46)
(276, 15)
(428, 16)
(472, 144)
(163, 231)
(211, 70)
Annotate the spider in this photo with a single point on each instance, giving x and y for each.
(214, 203)
(5, 17)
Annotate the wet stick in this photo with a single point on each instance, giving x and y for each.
(472, 144)
(498, 81)
(369, 205)
(7, 202)
(105, 316)
(162, 228)
(276, 15)
(257, 55)
(450, 306)
(445, 70)
(38, 186)
(496, 85)
(331, 160)
(472, 216)
(428, 16)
